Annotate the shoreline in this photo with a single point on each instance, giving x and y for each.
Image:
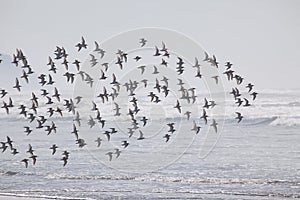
(14, 196)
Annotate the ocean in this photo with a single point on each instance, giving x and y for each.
(258, 158)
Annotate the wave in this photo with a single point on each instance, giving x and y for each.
(37, 196)
(8, 173)
(87, 177)
(286, 121)
(273, 110)
(155, 191)
(172, 179)
(265, 120)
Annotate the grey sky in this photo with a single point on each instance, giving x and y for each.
(260, 37)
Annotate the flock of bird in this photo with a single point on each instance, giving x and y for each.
(159, 92)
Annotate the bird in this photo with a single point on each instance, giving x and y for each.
(171, 127)
(99, 50)
(6, 107)
(65, 63)
(239, 101)
(213, 61)
(65, 160)
(58, 110)
(199, 75)
(144, 120)
(66, 154)
(167, 136)
(178, 106)
(40, 124)
(98, 140)
(9, 142)
(50, 81)
(82, 44)
(214, 125)
(25, 161)
(34, 99)
(212, 104)
(119, 62)
(141, 137)
(25, 76)
(196, 65)
(216, 78)
(254, 94)
(15, 60)
(204, 116)
(94, 108)
(70, 77)
(250, 87)
(3, 93)
(30, 149)
(14, 151)
(109, 155)
(155, 70)
(137, 58)
(130, 132)
(142, 68)
(44, 92)
(3, 146)
(180, 67)
(91, 122)
(114, 81)
(53, 148)
(228, 65)
(102, 77)
(10, 102)
(17, 85)
(156, 52)
(246, 103)
(206, 57)
(77, 64)
(75, 131)
(82, 73)
(195, 128)
(27, 130)
(143, 42)
(188, 114)
(229, 74)
(33, 157)
(125, 144)
(78, 99)
(165, 90)
(239, 79)
(239, 117)
(117, 152)
(77, 118)
(81, 142)
(113, 131)
(56, 94)
(164, 62)
(107, 134)
(93, 60)
(165, 80)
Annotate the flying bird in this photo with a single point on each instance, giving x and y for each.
(214, 125)
(239, 117)
(178, 106)
(17, 85)
(109, 155)
(82, 44)
(53, 148)
(143, 42)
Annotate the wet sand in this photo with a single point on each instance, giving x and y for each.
(10, 196)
